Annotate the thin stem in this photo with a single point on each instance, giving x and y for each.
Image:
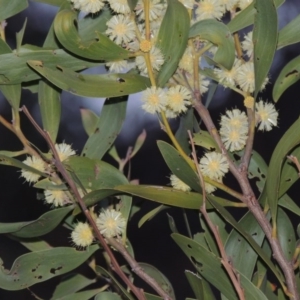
(234, 277)
(253, 205)
(174, 141)
(151, 281)
(135, 267)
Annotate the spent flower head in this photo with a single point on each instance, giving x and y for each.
(265, 115)
(88, 6)
(178, 184)
(111, 223)
(82, 235)
(33, 162)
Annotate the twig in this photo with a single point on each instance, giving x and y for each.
(58, 164)
(234, 277)
(253, 205)
(137, 269)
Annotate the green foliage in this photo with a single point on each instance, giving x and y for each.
(246, 251)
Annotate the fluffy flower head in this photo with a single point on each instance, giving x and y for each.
(234, 118)
(156, 9)
(64, 151)
(214, 165)
(111, 223)
(36, 163)
(82, 235)
(234, 138)
(119, 6)
(88, 6)
(155, 100)
(247, 44)
(209, 9)
(266, 115)
(57, 197)
(120, 29)
(179, 184)
(179, 97)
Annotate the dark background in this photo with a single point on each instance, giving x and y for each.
(152, 242)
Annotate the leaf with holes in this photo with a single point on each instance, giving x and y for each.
(288, 76)
(97, 86)
(39, 266)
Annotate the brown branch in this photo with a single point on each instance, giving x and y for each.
(234, 277)
(253, 205)
(60, 167)
(137, 269)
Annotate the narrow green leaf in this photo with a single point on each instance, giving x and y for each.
(151, 214)
(179, 166)
(108, 85)
(228, 217)
(138, 143)
(169, 196)
(98, 48)
(107, 129)
(199, 286)
(85, 295)
(287, 77)
(33, 244)
(218, 34)
(50, 108)
(47, 184)
(43, 225)
(108, 275)
(172, 39)
(12, 92)
(89, 120)
(95, 174)
(9, 161)
(264, 40)
(70, 284)
(35, 267)
(287, 202)
(11, 7)
(92, 23)
(107, 296)
(208, 265)
(186, 123)
(160, 278)
(289, 34)
(246, 17)
(20, 35)
(286, 234)
(204, 139)
(14, 68)
(288, 141)
(172, 224)
(238, 248)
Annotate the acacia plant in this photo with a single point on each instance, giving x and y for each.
(175, 53)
